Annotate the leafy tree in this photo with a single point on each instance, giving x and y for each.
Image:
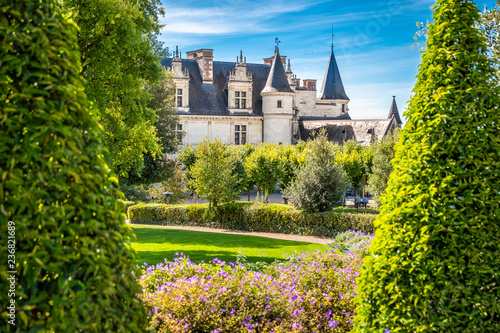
(239, 154)
(320, 183)
(435, 263)
(356, 161)
(119, 55)
(291, 160)
(162, 102)
(73, 257)
(383, 153)
(187, 156)
(263, 168)
(213, 175)
(157, 168)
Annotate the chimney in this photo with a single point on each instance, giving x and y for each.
(205, 60)
(309, 84)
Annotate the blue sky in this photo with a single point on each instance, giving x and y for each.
(372, 42)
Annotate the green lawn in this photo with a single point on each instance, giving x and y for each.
(154, 244)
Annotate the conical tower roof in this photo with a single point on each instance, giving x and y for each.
(277, 80)
(393, 112)
(332, 87)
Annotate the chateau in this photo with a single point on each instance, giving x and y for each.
(239, 103)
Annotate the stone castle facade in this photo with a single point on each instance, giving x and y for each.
(239, 102)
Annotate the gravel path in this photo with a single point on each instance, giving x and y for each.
(308, 239)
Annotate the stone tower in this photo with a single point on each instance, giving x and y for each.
(277, 104)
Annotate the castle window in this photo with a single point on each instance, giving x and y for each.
(179, 133)
(179, 97)
(240, 134)
(279, 105)
(343, 107)
(240, 101)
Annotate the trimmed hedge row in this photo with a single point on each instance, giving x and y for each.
(246, 216)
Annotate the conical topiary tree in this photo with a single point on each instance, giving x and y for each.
(72, 260)
(435, 264)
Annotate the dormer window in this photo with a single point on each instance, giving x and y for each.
(343, 107)
(179, 97)
(240, 99)
(279, 105)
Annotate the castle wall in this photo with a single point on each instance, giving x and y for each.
(197, 128)
(278, 128)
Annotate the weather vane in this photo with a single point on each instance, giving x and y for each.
(332, 37)
(277, 41)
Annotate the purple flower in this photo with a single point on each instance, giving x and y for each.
(387, 330)
(186, 327)
(332, 323)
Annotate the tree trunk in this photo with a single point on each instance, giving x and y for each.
(248, 194)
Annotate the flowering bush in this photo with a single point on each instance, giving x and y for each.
(351, 240)
(311, 292)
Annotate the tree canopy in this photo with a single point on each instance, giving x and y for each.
(120, 54)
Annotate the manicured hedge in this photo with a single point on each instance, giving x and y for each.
(256, 217)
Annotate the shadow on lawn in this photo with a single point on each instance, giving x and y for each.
(159, 244)
(188, 237)
(154, 257)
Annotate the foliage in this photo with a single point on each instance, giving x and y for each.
(238, 155)
(489, 25)
(351, 240)
(162, 102)
(213, 175)
(313, 292)
(187, 156)
(158, 168)
(72, 258)
(435, 263)
(246, 216)
(383, 153)
(136, 193)
(291, 160)
(263, 168)
(174, 185)
(356, 161)
(321, 183)
(119, 54)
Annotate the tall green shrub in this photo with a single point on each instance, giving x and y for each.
(320, 183)
(73, 257)
(213, 173)
(436, 253)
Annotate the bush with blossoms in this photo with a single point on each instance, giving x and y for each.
(310, 292)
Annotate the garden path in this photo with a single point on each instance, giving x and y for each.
(297, 238)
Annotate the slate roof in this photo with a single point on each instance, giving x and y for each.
(277, 80)
(340, 131)
(211, 99)
(332, 87)
(393, 112)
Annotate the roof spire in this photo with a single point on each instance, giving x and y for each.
(332, 87)
(277, 80)
(241, 56)
(289, 69)
(393, 112)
